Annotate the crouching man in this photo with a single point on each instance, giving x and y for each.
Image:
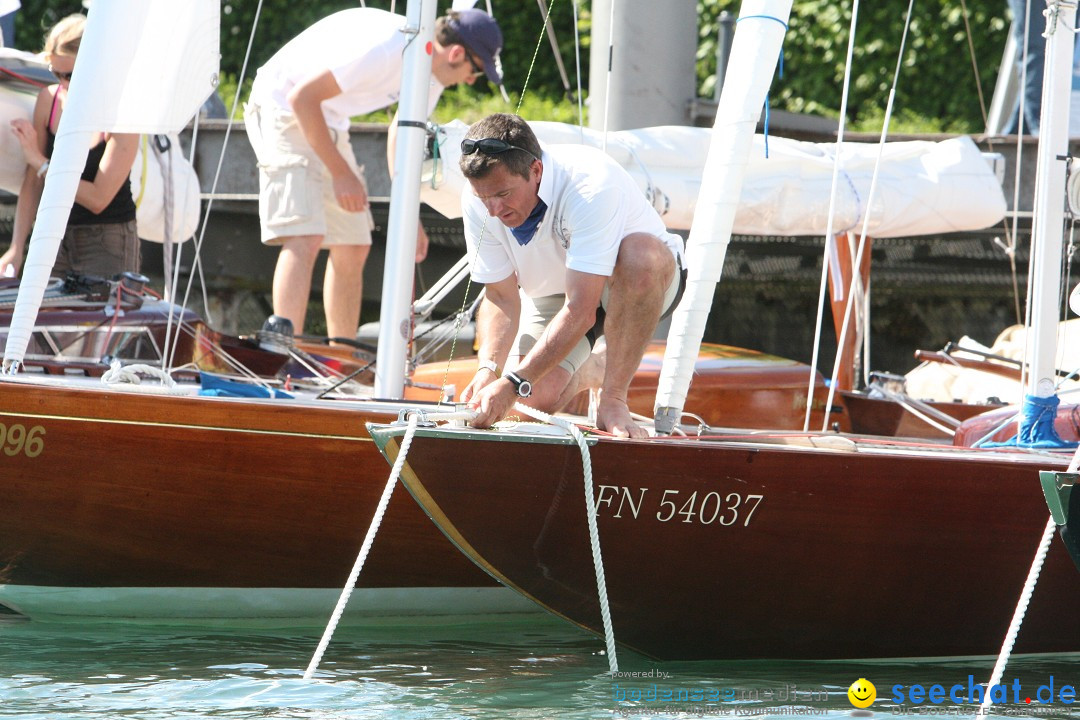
(568, 249)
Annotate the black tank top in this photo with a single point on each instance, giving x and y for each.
(121, 208)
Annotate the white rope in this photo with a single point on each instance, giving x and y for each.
(1018, 615)
(128, 377)
(594, 532)
(376, 522)
(1025, 598)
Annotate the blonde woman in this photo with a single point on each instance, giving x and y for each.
(101, 238)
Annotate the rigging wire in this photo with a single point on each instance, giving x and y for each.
(1011, 239)
(555, 50)
(974, 60)
(536, 51)
(830, 240)
(170, 353)
(607, 76)
(577, 61)
(857, 263)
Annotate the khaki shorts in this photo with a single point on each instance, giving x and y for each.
(537, 314)
(296, 192)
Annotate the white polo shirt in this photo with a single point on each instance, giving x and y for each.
(363, 49)
(593, 203)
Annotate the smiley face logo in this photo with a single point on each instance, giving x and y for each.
(862, 693)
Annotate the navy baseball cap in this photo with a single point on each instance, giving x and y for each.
(481, 34)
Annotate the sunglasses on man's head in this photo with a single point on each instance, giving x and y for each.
(490, 146)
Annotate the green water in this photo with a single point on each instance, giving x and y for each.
(535, 669)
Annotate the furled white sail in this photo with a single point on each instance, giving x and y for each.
(144, 66)
(759, 36)
(923, 187)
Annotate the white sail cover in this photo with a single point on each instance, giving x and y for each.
(144, 66)
(759, 36)
(924, 187)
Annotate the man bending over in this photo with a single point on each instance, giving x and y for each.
(568, 249)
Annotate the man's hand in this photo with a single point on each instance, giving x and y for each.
(350, 192)
(481, 380)
(493, 402)
(613, 416)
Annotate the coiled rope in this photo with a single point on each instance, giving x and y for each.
(129, 377)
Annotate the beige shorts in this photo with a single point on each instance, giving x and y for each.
(296, 192)
(537, 314)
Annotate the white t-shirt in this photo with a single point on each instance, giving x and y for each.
(593, 203)
(362, 47)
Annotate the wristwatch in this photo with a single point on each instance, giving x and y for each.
(523, 386)
(489, 365)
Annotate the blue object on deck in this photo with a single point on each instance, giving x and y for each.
(1036, 426)
(217, 386)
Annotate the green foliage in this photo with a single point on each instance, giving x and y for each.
(937, 81)
(35, 19)
(461, 102)
(521, 23)
(936, 89)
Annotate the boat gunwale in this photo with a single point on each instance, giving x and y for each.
(822, 442)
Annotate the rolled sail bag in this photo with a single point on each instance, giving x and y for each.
(166, 190)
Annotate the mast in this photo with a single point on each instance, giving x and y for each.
(144, 66)
(755, 51)
(395, 318)
(1049, 209)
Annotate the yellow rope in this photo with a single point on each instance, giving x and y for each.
(142, 178)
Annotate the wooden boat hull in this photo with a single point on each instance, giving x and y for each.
(756, 549)
(125, 504)
(129, 505)
(888, 418)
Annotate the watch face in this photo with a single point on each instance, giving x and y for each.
(525, 389)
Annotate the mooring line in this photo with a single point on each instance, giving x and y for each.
(1022, 604)
(373, 528)
(594, 532)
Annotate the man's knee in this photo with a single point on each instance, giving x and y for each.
(643, 257)
(350, 254)
(303, 247)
